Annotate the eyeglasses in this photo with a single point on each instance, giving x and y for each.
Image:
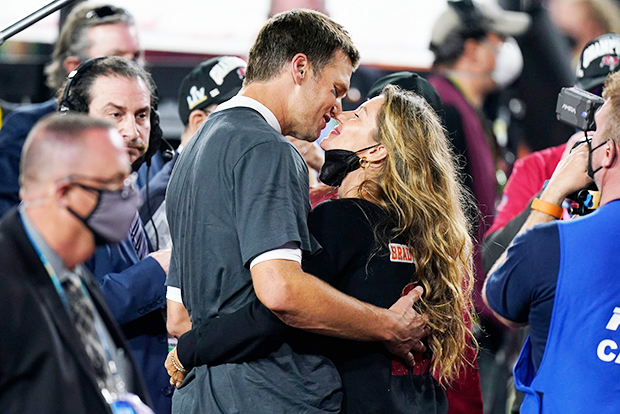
(128, 185)
(106, 11)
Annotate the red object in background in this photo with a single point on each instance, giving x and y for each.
(464, 394)
(528, 176)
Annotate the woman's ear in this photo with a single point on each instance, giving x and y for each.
(376, 154)
(71, 63)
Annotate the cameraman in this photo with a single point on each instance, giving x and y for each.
(560, 278)
(598, 59)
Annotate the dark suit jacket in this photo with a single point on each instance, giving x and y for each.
(43, 365)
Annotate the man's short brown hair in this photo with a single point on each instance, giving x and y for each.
(611, 92)
(297, 31)
(80, 89)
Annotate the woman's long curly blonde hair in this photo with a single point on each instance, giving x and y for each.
(419, 188)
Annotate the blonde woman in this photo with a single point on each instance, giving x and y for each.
(398, 223)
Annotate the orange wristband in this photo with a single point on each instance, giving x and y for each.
(547, 208)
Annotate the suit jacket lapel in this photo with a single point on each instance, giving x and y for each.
(49, 298)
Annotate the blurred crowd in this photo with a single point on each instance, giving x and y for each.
(454, 222)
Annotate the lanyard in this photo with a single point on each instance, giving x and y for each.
(115, 401)
(48, 267)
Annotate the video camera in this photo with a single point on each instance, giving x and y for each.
(577, 108)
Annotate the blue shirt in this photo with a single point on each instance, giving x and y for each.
(580, 365)
(522, 289)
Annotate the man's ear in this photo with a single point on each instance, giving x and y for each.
(300, 68)
(71, 63)
(611, 152)
(196, 118)
(62, 194)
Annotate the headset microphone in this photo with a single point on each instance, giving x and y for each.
(168, 154)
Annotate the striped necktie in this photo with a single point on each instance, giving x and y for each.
(138, 238)
(83, 316)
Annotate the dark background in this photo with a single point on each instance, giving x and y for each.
(528, 106)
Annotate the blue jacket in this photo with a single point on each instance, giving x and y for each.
(581, 362)
(13, 133)
(135, 292)
(153, 208)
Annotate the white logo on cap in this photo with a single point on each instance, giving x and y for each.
(195, 97)
(607, 46)
(226, 65)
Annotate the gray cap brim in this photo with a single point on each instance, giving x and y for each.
(504, 22)
(496, 20)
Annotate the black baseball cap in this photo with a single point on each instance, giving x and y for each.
(598, 59)
(409, 81)
(212, 82)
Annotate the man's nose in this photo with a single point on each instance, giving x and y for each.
(337, 108)
(129, 128)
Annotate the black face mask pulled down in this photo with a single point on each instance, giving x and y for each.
(338, 163)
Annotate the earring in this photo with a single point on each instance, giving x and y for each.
(363, 163)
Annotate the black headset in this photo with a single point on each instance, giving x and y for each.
(70, 102)
(470, 16)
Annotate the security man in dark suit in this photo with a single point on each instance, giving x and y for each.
(60, 349)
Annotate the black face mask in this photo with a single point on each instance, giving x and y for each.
(590, 171)
(338, 163)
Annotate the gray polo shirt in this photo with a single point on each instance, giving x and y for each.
(240, 189)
